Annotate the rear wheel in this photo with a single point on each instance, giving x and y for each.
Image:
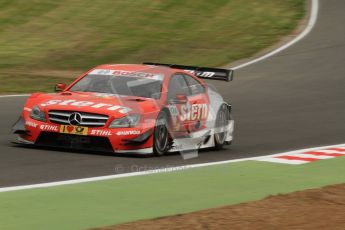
(222, 120)
(161, 137)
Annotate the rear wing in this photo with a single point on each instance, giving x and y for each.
(201, 72)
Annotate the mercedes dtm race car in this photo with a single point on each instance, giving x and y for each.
(149, 108)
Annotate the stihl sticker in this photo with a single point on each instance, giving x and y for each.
(49, 128)
(100, 132)
(76, 103)
(194, 112)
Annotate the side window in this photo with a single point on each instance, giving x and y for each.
(177, 85)
(194, 86)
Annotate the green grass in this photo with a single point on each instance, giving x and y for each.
(23, 83)
(40, 35)
(110, 202)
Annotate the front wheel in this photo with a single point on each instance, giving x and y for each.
(222, 120)
(161, 135)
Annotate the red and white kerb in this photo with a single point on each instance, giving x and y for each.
(303, 157)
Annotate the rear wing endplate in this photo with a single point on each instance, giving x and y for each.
(201, 72)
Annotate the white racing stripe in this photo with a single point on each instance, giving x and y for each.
(310, 25)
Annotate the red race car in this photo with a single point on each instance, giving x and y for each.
(124, 108)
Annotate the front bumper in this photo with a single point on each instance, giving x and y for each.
(120, 140)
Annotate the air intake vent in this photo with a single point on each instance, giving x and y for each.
(80, 118)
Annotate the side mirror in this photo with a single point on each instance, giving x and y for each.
(181, 98)
(60, 87)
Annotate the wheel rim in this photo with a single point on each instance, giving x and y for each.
(161, 136)
(222, 121)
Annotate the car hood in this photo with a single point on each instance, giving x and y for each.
(108, 104)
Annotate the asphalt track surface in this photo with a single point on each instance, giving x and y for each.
(292, 100)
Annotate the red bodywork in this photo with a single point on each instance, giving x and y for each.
(185, 118)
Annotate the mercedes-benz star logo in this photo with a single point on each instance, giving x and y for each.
(75, 119)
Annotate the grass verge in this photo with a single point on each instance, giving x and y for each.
(319, 208)
(123, 200)
(75, 35)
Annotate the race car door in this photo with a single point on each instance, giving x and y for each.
(188, 104)
(199, 104)
(177, 97)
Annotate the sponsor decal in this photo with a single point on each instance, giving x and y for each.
(193, 112)
(201, 74)
(174, 115)
(90, 104)
(49, 128)
(128, 132)
(187, 112)
(177, 126)
(70, 129)
(106, 95)
(133, 74)
(173, 110)
(31, 124)
(127, 73)
(100, 132)
(27, 109)
(102, 72)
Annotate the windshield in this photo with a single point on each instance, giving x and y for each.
(122, 85)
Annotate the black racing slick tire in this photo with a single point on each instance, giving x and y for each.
(161, 136)
(223, 117)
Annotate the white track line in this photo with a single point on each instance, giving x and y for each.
(172, 169)
(310, 25)
(307, 29)
(284, 161)
(14, 95)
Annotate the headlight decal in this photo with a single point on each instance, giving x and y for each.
(125, 122)
(37, 114)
